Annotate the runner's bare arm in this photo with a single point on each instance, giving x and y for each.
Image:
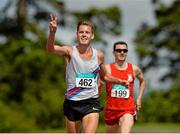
(56, 49)
(100, 86)
(106, 76)
(139, 75)
(101, 83)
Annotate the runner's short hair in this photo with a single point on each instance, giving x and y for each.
(88, 23)
(119, 43)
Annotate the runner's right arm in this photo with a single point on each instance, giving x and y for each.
(56, 49)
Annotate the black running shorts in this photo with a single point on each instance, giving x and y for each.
(76, 110)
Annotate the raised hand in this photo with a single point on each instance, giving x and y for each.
(53, 23)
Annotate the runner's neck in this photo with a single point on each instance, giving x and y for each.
(121, 65)
(85, 52)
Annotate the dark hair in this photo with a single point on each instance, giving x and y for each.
(119, 43)
(88, 23)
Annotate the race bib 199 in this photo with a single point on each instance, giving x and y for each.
(120, 91)
(85, 80)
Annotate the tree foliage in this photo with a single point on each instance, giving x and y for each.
(161, 106)
(32, 84)
(159, 47)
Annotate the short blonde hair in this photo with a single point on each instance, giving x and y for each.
(88, 23)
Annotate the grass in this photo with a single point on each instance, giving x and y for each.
(157, 128)
(143, 128)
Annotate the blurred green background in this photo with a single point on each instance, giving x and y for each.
(32, 82)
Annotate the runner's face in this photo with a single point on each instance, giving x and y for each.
(84, 35)
(120, 52)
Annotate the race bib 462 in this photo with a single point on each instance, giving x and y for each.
(85, 80)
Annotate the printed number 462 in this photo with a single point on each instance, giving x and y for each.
(85, 82)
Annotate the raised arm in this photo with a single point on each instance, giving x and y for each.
(56, 49)
(106, 76)
(139, 75)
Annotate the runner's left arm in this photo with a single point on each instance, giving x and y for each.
(139, 75)
(105, 76)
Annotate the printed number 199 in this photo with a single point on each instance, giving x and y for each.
(120, 93)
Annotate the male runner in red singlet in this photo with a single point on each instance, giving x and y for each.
(120, 110)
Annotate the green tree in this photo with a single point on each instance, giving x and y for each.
(32, 84)
(161, 106)
(158, 47)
